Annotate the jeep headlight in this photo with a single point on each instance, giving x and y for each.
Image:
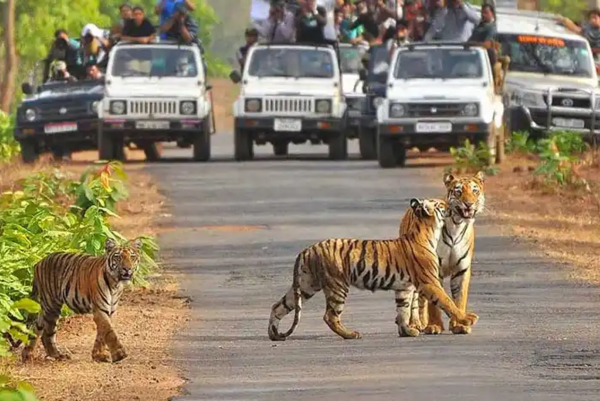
(323, 106)
(30, 115)
(397, 110)
(95, 105)
(527, 99)
(117, 107)
(377, 102)
(188, 108)
(253, 105)
(470, 110)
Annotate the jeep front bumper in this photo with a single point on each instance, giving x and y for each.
(447, 133)
(162, 130)
(290, 126)
(586, 122)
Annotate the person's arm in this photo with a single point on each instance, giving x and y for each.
(436, 26)
(189, 29)
(189, 4)
(287, 27)
(472, 15)
(321, 16)
(358, 22)
(570, 25)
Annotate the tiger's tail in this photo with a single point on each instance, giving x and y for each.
(297, 298)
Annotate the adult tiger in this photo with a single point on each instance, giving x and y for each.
(86, 284)
(400, 264)
(465, 198)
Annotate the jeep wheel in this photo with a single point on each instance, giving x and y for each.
(152, 151)
(338, 147)
(243, 146)
(29, 153)
(202, 143)
(109, 147)
(367, 143)
(400, 154)
(280, 148)
(386, 152)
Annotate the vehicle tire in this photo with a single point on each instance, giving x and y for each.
(500, 144)
(280, 148)
(367, 143)
(152, 151)
(29, 152)
(202, 143)
(400, 152)
(386, 154)
(106, 146)
(338, 147)
(243, 146)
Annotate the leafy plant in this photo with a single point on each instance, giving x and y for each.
(519, 142)
(471, 158)
(559, 155)
(20, 391)
(9, 148)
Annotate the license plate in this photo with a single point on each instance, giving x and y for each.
(60, 127)
(568, 123)
(434, 127)
(289, 125)
(152, 125)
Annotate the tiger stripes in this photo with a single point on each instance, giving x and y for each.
(86, 284)
(402, 265)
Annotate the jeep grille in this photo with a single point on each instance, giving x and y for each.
(70, 109)
(435, 109)
(288, 105)
(154, 107)
(569, 101)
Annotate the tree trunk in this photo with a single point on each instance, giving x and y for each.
(10, 73)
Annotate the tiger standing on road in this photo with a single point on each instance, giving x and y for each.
(465, 199)
(400, 264)
(86, 284)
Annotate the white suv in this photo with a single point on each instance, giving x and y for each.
(290, 93)
(155, 92)
(438, 95)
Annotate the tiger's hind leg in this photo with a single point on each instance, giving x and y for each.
(335, 301)
(38, 329)
(406, 300)
(49, 336)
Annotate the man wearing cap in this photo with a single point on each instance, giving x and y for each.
(166, 9)
(251, 39)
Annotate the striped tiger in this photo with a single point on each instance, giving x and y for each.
(402, 265)
(86, 284)
(465, 198)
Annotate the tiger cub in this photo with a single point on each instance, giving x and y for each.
(401, 265)
(86, 284)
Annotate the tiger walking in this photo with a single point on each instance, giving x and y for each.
(403, 265)
(86, 284)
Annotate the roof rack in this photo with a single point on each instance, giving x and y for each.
(296, 44)
(522, 13)
(413, 46)
(156, 42)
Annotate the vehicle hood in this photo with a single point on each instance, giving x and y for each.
(56, 94)
(537, 82)
(289, 87)
(154, 88)
(438, 91)
(348, 83)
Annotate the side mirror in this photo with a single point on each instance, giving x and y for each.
(235, 77)
(26, 88)
(362, 74)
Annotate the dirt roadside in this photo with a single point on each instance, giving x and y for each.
(145, 321)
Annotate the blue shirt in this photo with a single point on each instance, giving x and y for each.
(167, 12)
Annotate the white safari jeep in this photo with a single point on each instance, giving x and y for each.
(155, 92)
(438, 95)
(290, 93)
(351, 61)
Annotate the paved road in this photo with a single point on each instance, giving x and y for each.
(537, 338)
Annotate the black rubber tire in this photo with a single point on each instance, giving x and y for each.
(338, 147)
(386, 155)
(202, 143)
(280, 148)
(400, 152)
(243, 146)
(151, 151)
(29, 152)
(367, 143)
(106, 146)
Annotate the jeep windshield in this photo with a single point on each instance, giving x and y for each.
(547, 55)
(145, 61)
(351, 59)
(291, 63)
(432, 63)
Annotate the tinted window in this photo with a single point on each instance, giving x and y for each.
(290, 62)
(147, 61)
(439, 63)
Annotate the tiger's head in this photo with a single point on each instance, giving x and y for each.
(122, 260)
(433, 210)
(466, 196)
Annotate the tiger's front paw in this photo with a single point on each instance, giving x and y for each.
(119, 355)
(469, 320)
(409, 332)
(101, 357)
(434, 329)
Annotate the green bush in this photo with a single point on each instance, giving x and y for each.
(559, 154)
(471, 158)
(21, 391)
(51, 213)
(9, 148)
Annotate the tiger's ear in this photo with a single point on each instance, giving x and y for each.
(137, 244)
(448, 179)
(480, 176)
(109, 245)
(416, 205)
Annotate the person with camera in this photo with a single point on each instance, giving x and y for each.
(180, 27)
(310, 21)
(63, 49)
(279, 26)
(60, 73)
(454, 23)
(138, 29)
(166, 9)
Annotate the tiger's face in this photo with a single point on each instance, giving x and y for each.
(122, 260)
(466, 195)
(434, 210)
